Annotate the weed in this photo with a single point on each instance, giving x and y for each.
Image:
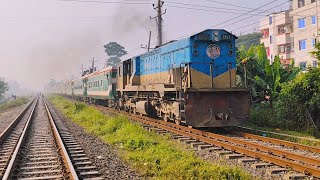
(13, 103)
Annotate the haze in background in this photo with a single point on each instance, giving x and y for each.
(44, 39)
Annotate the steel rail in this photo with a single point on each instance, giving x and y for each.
(268, 154)
(4, 134)
(259, 147)
(312, 171)
(65, 155)
(279, 142)
(18, 145)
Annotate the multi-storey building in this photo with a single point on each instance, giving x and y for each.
(291, 34)
(276, 29)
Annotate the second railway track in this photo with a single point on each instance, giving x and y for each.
(288, 157)
(38, 146)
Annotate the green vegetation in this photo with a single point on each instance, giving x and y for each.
(305, 135)
(248, 40)
(282, 97)
(13, 103)
(263, 77)
(3, 88)
(114, 51)
(152, 155)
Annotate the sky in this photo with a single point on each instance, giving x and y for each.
(51, 39)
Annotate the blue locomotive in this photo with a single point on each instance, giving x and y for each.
(192, 80)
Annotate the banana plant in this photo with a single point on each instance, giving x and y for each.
(264, 78)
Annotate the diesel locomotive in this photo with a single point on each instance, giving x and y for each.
(192, 80)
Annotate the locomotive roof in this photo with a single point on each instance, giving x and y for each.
(169, 42)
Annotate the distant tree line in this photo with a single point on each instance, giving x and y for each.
(3, 88)
(248, 40)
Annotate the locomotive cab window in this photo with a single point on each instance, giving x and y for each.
(119, 71)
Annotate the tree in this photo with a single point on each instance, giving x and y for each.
(316, 52)
(248, 40)
(114, 51)
(299, 95)
(3, 88)
(264, 78)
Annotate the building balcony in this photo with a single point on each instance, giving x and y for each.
(283, 39)
(265, 41)
(284, 56)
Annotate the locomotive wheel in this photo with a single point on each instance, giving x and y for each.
(177, 121)
(166, 118)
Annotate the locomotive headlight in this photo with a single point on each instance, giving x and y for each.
(195, 52)
(230, 53)
(230, 45)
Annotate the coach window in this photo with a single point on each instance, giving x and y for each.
(101, 83)
(119, 71)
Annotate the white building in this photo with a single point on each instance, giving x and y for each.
(292, 34)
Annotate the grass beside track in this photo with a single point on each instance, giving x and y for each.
(13, 103)
(288, 132)
(150, 154)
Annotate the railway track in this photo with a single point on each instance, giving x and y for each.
(280, 156)
(37, 146)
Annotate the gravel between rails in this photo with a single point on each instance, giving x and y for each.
(103, 156)
(8, 116)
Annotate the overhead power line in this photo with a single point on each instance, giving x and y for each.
(203, 6)
(105, 2)
(208, 10)
(237, 21)
(236, 18)
(217, 2)
(295, 14)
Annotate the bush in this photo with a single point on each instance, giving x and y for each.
(297, 96)
(13, 103)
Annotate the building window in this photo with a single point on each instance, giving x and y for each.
(270, 39)
(302, 23)
(265, 33)
(303, 65)
(314, 63)
(281, 49)
(300, 3)
(313, 20)
(302, 44)
(270, 20)
(313, 41)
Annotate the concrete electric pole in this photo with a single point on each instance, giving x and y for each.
(159, 19)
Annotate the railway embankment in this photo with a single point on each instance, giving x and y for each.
(149, 154)
(20, 101)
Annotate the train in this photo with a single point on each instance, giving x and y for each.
(190, 81)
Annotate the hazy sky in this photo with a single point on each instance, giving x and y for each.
(43, 39)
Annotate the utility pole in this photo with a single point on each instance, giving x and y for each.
(147, 47)
(149, 41)
(159, 19)
(92, 67)
(82, 70)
